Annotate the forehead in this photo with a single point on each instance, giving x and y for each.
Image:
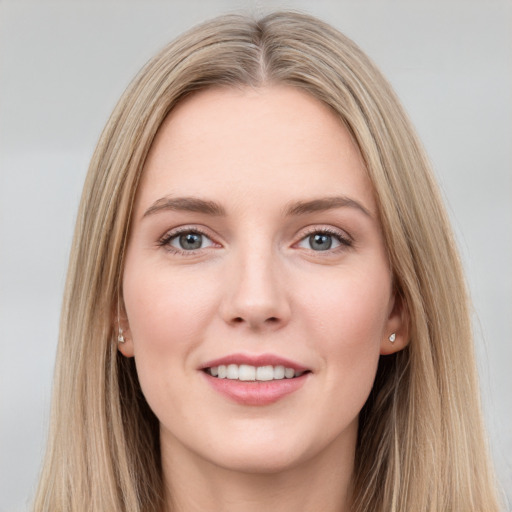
(266, 141)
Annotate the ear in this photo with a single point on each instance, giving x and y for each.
(396, 334)
(122, 330)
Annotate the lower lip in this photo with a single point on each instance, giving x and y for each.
(256, 392)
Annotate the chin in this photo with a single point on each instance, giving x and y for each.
(262, 461)
(269, 454)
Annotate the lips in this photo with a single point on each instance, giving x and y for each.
(255, 380)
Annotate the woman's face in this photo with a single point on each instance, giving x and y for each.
(256, 251)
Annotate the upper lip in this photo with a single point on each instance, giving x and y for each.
(255, 360)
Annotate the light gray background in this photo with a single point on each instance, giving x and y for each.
(64, 64)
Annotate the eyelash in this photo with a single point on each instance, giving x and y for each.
(165, 240)
(344, 240)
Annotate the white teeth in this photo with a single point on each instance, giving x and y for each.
(289, 373)
(265, 373)
(232, 372)
(279, 372)
(247, 372)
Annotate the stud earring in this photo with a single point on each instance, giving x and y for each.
(392, 338)
(120, 337)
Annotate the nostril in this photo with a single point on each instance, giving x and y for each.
(269, 320)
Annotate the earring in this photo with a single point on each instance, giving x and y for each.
(120, 337)
(392, 338)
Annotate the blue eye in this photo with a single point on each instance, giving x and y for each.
(323, 241)
(188, 241)
(320, 242)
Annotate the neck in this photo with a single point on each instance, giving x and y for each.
(323, 482)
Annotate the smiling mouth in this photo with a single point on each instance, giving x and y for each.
(246, 372)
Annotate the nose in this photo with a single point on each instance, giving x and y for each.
(256, 294)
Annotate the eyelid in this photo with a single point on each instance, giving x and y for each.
(170, 234)
(177, 238)
(344, 238)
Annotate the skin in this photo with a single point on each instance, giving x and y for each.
(257, 285)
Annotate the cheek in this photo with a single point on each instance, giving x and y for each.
(165, 309)
(167, 313)
(347, 328)
(350, 310)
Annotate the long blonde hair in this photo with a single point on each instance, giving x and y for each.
(421, 444)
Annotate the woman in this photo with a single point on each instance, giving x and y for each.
(264, 307)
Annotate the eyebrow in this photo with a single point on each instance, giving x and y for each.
(194, 204)
(187, 204)
(323, 204)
